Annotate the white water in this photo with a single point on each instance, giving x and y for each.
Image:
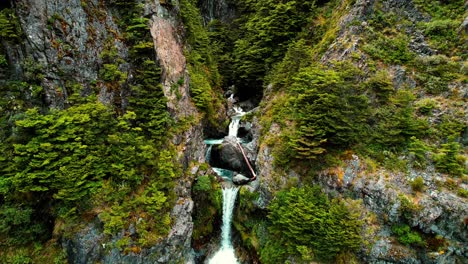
(225, 254)
(210, 143)
(235, 120)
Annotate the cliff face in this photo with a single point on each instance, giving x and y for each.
(399, 55)
(70, 42)
(66, 40)
(435, 210)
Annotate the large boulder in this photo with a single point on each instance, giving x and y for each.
(229, 156)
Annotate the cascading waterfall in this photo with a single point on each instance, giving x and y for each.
(225, 255)
(234, 125)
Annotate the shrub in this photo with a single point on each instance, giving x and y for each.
(406, 236)
(417, 184)
(449, 160)
(389, 49)
(426, 105)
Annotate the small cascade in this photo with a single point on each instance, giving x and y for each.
(210, 143)
(234, 125)
(225, 254)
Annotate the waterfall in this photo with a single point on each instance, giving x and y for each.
(225, 254)
(234, 125)
(210, 143)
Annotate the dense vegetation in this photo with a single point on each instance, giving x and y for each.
(339, 106)
(59, 165)
(307, 225)
(117, 162)
(357, 105)
(204, 77)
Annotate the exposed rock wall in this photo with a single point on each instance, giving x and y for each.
(66, 39)
(223, 10)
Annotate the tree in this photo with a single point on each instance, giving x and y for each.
(306, 224)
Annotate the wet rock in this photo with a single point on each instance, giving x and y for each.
(223, 10)
(248, 105)
(240, 179)
(229, 156)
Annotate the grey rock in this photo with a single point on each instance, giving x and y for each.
(240, 179)
(464, 25)
(229, 156)
(217, 9)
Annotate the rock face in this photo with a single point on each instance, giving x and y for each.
(88, 246)
(65, 40)
(217, 9)
(435, 212)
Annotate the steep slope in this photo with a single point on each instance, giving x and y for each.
(367, 103)
(101, 130)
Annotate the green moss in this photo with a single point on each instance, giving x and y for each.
(208, 202)
(406, 236)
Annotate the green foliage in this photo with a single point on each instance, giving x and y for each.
(10, 28)
(268, 29)
(449, 160)
(439, 31)
(381, 85)
(18, 225)
(64, 153)
(406, 236)
(208, 202)
(111, 73)
(419, 149)
(462, 192)
(298, 56)
(397, 121)
(426, 106)
(203, 69)
(417, 184)
(443, 31)
(203, 184)
(304, 223)
(441, 8)
(436, 72)
(407, 208)
(65, 156)
(331, 110)
(148, 101)
(389, 49)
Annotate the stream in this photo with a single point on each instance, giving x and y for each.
(226, 254)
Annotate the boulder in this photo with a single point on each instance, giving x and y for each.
(240, 179)
(229, 156)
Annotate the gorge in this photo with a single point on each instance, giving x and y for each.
(233, 131)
